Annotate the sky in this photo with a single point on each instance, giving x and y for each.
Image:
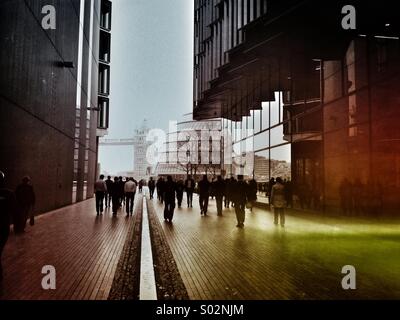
(151, 71)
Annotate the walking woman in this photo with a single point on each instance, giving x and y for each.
(278, 201)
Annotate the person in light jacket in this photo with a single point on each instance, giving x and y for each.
(278, 201)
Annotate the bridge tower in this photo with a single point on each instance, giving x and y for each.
(142, 168)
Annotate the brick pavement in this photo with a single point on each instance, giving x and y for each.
(303, 261)
(214, 258)
(83, 248)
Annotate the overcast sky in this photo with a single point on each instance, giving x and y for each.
(151, 70)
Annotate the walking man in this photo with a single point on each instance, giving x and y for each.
(252, 193)
(130, 192)
(152, 187)
(278, 201)
(240, 199)
(204, 194)
(100, 188)
(169, 199)
(160, 189)
(189, 187)
(109, 184)
(7, 209)
(115, 195)
(25, 196)
(219, 191)
(180, 187)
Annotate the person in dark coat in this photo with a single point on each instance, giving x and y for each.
(219, 192)
(116, 196)
(100, 188)
(121, 184)
(271, 184)
(7, 210)
(25, 203)
(229, 189)
(109, 184)
(240, 200)
(152, 187)
(204, 194)
(169, 199)
(160, 189)
(289, 193)
(180, 187)
(189, 187)
(252, 193)
(278, 201)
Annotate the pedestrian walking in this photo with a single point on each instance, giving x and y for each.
(152, 187)
(180, 187)
(121, 184)
(278, 201)
(252, 194)
(109, 184)
(140, 186)
(7, 210)
(189, 187)
(130, 192)
(219, 191)
(229, 190)
(116, 196)
(25, 196)
(204, 194)
(271, 184)
(240, 200)
(100, 188)
(160, 189)
(289, 194)
(169, 199)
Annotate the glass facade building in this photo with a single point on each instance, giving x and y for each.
(304, 99)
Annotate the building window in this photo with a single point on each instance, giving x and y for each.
(104, 79)
(105, 46)
(103, 115)
(105, 16)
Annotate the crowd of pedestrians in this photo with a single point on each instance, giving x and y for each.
(17, 207)
(227, 192)
(118, 192)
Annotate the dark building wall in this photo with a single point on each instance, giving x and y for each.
(38, 98)
(360, 123)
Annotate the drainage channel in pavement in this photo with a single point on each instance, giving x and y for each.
(127, 276)
(147, 269)
(147, 278)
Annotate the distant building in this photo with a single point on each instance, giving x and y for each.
(194, 148)
(261, 169)
(54, 87)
